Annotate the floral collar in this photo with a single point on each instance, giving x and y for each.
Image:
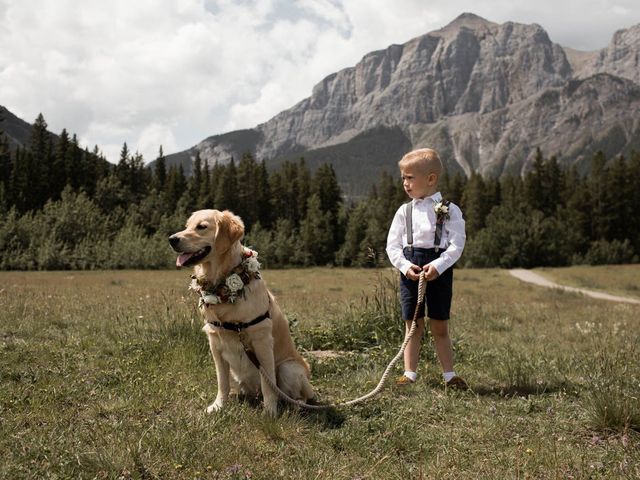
(232, 287)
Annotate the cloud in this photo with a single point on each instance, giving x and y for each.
(174, 72)
(620, 10)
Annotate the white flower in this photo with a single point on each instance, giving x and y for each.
(234, 282)
(441, 209)
(211, 298)
(252, 265)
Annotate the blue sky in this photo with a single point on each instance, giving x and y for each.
(174, 72)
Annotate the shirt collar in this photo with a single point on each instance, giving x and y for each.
(435, 198)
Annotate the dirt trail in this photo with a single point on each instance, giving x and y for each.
(532, 277)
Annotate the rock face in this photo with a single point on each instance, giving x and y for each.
(572, 121)
(485, 94)
(620, 58)
(469, 66)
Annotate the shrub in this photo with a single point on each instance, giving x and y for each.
(614, 252)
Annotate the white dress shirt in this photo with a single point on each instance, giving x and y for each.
(424, 232)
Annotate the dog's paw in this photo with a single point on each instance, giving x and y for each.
(215, 406)
(271, 409)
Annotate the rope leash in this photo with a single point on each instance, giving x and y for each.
(383, 379)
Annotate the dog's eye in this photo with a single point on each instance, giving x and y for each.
(201, 227)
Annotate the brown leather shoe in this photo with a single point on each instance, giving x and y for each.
(457, 383)
(403, 381)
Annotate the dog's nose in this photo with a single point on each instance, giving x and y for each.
(174, 240)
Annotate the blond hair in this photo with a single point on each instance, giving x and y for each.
(425, 159)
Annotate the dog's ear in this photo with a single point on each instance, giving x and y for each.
(230, 230)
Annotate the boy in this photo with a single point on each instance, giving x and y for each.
(434, 250)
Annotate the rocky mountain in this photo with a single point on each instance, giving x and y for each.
(485, 94)
(620, 58)
(17, 131)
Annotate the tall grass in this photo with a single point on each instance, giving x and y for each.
(612, 398)
(370, 322)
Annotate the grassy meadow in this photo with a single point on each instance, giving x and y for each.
(107, 375)
(621, 280)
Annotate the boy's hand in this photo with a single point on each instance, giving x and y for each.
(430, 272)
(414, 273)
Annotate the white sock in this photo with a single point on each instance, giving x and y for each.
(448, 376)
(413, 376)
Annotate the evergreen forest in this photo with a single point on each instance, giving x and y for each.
(65, 207)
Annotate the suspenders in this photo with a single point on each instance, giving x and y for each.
(408, 215)
(408, 211)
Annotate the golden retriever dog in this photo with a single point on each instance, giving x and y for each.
(239, 314)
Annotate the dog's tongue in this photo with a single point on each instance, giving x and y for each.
(182, 258)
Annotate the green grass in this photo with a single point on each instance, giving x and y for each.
(107, 375)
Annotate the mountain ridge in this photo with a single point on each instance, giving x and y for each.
(449, 85)
(469, 66)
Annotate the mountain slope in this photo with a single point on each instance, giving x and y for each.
(485, 94)
(17, 131)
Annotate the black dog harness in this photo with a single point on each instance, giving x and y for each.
(238, 327)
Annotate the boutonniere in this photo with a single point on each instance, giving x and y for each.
(442, 211)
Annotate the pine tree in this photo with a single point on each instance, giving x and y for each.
(543, 185)
(617, 193)
(73, 164)
(175, 187)
(5, 170)
(634, 200)
(19, 180)
(138, 176)
(247, 206)
(205, 198)
(351, 252)
(58, 178)
(195, 184)
(285, 197)
(90, 172)
(122, 168)
(302, 189)
(576, 215)
(317, 233)
(5, 167)
(160, 172)
(39, 164)
(227, 193)
(263, 196)
(597, 184)
(325, 186)
(455, 188)
(217, 172)
(477, 202)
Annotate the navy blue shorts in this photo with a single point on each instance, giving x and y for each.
(438, 291)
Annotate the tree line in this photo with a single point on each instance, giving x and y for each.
(64, 207)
